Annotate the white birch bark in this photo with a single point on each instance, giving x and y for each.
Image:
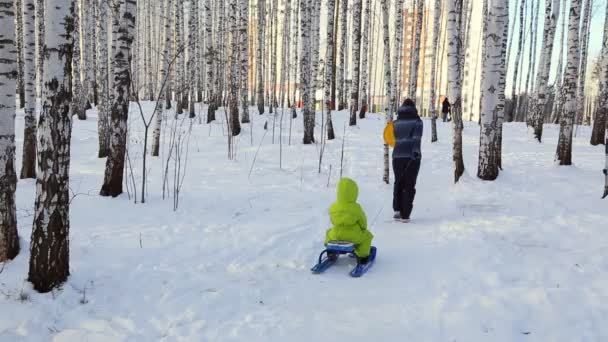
(365, 60)
(9, 240)
(390, 96)
(112, 184)
(564, 147)
(558, 100)
(306, 7)
(192, 68)
(398, 55)
(244, 58)
(520, 46)
(28, 160)
(495, 19)
(598, 133)
(260, 56)
(433, 105)
(329, 66)
(163, 79)
(233, 99)
(582, 78)
(102, 79)
(356, 77)
(413, 86)
(49, 244)
(79, 98)
(546, 57)
(454, 33)
(342, 59)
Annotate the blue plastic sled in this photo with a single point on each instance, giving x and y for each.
(342, 247)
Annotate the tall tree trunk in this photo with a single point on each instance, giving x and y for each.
(564, 147)
(233, 100)
(112, 184)
(398, 55)
(500, 115)
(413, 87)
(365, 61)
(193, 66)
(558, 102)
(495, 22)
(49, 247)
(103, 110)
(357, 9)
(520, 45)
(329, 66)
(260, 55)
(28, 162)
(79, 99)
(455, 81)
(19, 27)
(178, 79)
(390, 96)
(244, 58)
(163, 80)
(433, 100)
(210, 62)
(342, 59)
(9, 240)
(598, 133)
(546, 57)
(306, 7)
(582, 77)
(40, 4)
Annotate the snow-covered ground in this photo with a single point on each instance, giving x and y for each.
(524, 258)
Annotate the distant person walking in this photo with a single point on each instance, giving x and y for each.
(406, 159)
(446, 108)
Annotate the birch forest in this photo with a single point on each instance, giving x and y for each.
(289, 88)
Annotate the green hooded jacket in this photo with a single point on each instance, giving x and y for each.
(348, 219)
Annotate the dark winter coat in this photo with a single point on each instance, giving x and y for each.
(408, 133)
(446, 107)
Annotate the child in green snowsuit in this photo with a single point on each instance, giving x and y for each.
(349, 220)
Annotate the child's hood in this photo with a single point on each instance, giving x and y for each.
(348, 191)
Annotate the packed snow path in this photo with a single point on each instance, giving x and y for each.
(524, 258)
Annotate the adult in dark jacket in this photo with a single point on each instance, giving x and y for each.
(446, 108)
(406, 159)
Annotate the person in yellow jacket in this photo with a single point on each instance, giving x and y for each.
(349, 221)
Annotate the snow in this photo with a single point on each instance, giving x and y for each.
(524, 258)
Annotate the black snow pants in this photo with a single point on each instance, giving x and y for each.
(406, 174)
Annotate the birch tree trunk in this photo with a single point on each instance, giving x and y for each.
(433, 99)
(520, 46)
(413, 87)
(79, 99)
(102, 79)
(329, 66)
(357, 9)
(112, 184)
(389, 83)
(559, 79)
(210, 57)
(164, 77)
(546, 57)
(454, 33)
(260, 55)
(306, 7)
(244, 58)
(495, 20)
(39, 44)
(9, 240)
(398, 56)
(18, 32)
(582, 77)
(564, 147)
(342, 59)
(90, 39)
(28, 160)
(233, 100)
(606, 167)
(49, 246)
(193, 67)
(598, 133)
(503, 85)
(365, 60)
(178, 79)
